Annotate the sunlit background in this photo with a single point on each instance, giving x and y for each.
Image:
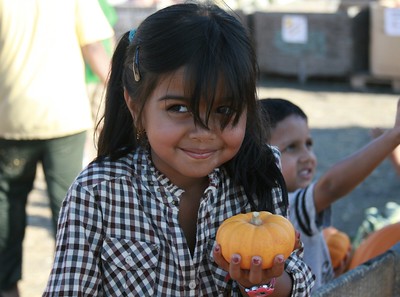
(338, 60)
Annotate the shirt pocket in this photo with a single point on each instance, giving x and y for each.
(129, 255)
(129, 267)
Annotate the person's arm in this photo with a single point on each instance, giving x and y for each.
(345, 175)
(98, 59)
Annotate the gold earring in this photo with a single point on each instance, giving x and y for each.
(139, 134)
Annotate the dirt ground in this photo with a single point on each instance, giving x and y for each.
(340, 118)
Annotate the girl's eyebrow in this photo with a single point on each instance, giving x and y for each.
(173, 97)
(223, 100)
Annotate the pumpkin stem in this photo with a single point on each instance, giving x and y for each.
(255, 219)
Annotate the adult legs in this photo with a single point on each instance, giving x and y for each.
(18, 160)
(62, 162)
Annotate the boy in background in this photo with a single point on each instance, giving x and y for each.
(310, 200)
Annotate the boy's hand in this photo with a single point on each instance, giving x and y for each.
(376, 132)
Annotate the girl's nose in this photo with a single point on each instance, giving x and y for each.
(200, 133)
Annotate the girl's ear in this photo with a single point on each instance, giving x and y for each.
(131, 105)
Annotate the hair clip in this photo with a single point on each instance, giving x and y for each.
(131, 35)
(136, 72)
(135, 64)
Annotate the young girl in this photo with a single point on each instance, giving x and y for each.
(181, 150)
(310, 201)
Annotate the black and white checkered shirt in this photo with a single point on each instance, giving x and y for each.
(119, 235)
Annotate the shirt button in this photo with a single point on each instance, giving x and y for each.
(192, 285)
(129, 260)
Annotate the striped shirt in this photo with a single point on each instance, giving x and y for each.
(119, 235)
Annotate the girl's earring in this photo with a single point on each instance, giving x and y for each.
(139, 134)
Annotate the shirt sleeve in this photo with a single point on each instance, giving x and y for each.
(303, 213)
(78, 247)
(303, 278)
(91, 23)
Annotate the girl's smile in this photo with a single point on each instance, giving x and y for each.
(199, 154)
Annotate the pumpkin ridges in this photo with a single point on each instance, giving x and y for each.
(245, 230)
(275, 236)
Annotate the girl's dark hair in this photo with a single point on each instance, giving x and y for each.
(278, 109)
(215, 51)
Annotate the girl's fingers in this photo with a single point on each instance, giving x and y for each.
(256, 275)
(256, 272)
(219, 259)
(278, 268)
(234, 269)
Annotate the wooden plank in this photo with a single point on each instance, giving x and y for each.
(364, 82)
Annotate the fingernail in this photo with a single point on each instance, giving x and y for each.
(235, 259)
(280, 258)
(256, 260)
(217, 248)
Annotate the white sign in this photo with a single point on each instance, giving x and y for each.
(392, 21)
(294, 29)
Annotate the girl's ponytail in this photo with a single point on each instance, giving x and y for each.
(118, 131)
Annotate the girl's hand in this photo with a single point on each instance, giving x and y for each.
(297, 243)
(256, 275)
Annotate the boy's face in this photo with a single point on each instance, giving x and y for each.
(292, 137)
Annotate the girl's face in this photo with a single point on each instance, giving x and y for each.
(292, 137)
(181, 150)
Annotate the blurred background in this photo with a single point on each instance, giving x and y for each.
(338, 60)
(351, 40)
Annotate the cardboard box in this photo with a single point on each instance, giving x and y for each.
(325, 44)
(385, 41)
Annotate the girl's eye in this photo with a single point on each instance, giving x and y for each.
(225, 110)
(178, 108)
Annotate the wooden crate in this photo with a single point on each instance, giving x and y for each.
(336, 44)
(365, 82)
(384, 48)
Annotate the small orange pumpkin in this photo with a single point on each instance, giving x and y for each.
(256, 234)
(338, 244)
